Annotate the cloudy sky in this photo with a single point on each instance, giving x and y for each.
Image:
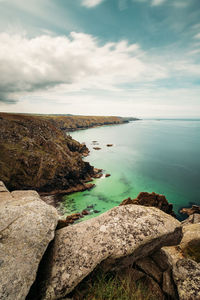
(101, 57)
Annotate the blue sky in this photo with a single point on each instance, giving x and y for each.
(111, 57)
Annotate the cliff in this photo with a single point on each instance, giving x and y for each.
(70, 123)
(36, 154)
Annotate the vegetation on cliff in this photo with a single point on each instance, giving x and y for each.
(70, 123)
(36, 154)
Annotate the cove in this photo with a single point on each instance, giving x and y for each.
(148, 155)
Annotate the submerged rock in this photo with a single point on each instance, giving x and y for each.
(27, 226)
(116, 238)
(85, 212)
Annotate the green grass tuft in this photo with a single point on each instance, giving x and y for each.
(112, 286)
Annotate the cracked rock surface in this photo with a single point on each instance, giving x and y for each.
(130, 231)
(27, 226)
(186, 275)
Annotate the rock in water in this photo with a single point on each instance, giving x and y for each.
(122, 235)
(151, 199)
(27, 226)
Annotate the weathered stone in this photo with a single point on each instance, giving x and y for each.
(85, 212)
(176, 257)
(107, 175)
(62, 223)
(4, 194)
(191, 233)
(126, 201)
(191, 210)
(191, 237)
(27, 226)
(161, 259)
(152, 199)
(168, 285)
(99, 175)
(186, 274)
(149, 267)
(192, 219)
(173, 254)
(127, 231)
(154, 287)
(3, 187)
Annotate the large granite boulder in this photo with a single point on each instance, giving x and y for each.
(27, 226)
(116, 238)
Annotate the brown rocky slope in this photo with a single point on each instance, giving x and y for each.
(70, 123)
(36, 154)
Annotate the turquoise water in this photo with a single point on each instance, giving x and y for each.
(161, 156)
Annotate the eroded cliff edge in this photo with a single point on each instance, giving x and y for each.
(36, 154)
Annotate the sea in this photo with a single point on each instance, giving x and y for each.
(161, 156)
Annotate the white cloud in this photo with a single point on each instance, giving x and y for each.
(123, 4)
(157, 2)
(76, 61)
(153, 2)
(181, 3)
(197, 36)
(91, 3)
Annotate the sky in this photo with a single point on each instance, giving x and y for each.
(137, 58)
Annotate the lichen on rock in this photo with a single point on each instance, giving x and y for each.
(27, 225)
(114, 239)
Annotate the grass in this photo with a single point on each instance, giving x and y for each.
(112, 286)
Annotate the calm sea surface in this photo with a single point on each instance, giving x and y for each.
(154, 156)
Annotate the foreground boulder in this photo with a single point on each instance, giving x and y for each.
(184, 263)
(116, 239)
(186, 274)
(27, 226)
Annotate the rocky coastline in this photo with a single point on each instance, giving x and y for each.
(46, 257)
(40, 260)
(36, 153)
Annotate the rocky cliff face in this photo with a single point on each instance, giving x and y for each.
(70, 123)
(35, 154)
